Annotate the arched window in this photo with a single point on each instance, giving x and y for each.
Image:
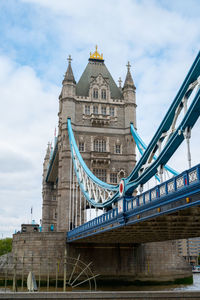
(103, 94)
(121, 174)
(95, 93)
(100, 145)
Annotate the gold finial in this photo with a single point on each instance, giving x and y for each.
(96, 54)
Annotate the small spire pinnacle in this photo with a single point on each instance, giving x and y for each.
(129, 80)
(69, 59)
(69, 76)
(48, 150)
(128, 66)
(120, 82)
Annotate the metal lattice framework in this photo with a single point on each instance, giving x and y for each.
(97, 192)
(142, 147)
(175, 127)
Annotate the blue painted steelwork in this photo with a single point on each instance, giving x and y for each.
(171, 191)
(86, 169)
(79, 160)
(139, 142)
(192, 75)
(174, 142)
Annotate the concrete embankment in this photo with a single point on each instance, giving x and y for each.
(147, 295)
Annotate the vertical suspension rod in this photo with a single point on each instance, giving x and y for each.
(76, 204)
(187, 136)
(80, 205)
(70, 192)
(73, 200)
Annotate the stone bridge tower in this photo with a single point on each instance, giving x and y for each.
(101, 113)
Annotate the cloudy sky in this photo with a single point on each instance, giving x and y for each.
(159, 38)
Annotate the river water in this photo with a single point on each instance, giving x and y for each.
(175, 287)
(191, 287)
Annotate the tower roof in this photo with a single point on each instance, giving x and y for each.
(95, 67)
(69, 76)
(129, 80)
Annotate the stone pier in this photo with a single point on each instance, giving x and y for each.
(116, 263)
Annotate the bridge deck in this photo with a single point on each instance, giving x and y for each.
(173, 215)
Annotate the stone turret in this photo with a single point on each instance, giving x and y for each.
(128, 92)
(129, 87)
(66, 99)
(46, 192)
(67, 109)
(46, 160)
(69, 82)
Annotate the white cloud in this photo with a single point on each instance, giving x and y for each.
(28, 116)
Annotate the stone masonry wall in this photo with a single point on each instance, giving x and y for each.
(44, 253)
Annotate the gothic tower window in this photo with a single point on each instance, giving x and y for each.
(87, 109)
(95, 94)
(121, 174)
(113, 177)
(112, 111)
(101, 174)
(117, 149)
(100, 145)
(103, 110)
(81, 147)
(103, 94)
(95, 109)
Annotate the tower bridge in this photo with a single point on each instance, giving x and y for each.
(93, 188)
(161, 203)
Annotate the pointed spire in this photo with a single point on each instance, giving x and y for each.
(129, 80)
(69, 76)
(48, 151)
(120, 83)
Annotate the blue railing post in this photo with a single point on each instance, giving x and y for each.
(198, 172)
(157, 192)
(174, 183)
(185, 178)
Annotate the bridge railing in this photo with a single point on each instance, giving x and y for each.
(170, 186)
(106, 217)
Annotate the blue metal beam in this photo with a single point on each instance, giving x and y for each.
(139, 142)
(192, 75)
(174, 142)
